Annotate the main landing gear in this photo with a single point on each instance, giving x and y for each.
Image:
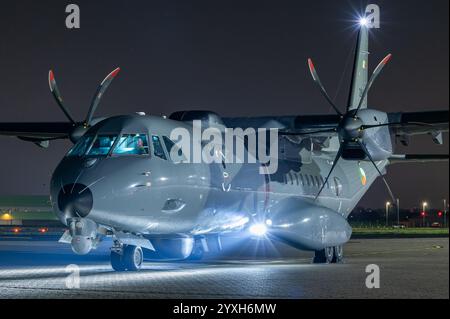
(329, 255)
(126, 257)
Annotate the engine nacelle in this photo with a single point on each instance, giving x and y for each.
(308, 227)
(377, 139)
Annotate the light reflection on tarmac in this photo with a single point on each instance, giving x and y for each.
(410, 268)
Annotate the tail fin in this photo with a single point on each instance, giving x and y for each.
(360, 70)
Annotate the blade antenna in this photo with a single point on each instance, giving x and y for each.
(391, 194)
(374, 76)
(316, 79)
(99, 94)
(338, 156)
(57, 95)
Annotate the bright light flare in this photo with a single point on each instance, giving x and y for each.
(258, 230)
(363, 22)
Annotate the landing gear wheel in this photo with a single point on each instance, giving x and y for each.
(117, 262)
(130, 258)
(324, 256)
(133, 257)
(338, 254)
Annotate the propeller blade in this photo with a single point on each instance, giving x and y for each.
(316, 79)
(338, 156)
(57, 95)
(375, 74)
(99, 94)
(394, 200)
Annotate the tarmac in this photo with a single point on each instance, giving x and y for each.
(408, 268)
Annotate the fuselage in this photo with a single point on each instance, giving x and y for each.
(151, 194)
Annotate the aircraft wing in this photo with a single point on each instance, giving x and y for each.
(419, 122)
(37, 132)
(401, 124)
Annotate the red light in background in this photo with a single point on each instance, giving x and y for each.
(16, 230)
(422, 214)
(42, 230)
(440, 214)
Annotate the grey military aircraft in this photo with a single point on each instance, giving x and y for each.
(120, 178)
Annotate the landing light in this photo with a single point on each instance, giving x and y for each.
(258, 230)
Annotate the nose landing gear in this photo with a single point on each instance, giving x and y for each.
(126, 257)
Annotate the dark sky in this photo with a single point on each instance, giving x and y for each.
(237, 58)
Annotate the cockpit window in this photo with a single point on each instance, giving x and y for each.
(132, 144)
(102, 145)
(81, 146)
(157, 147)
(175, 152)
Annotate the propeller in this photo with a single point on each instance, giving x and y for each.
(80, 129)
(350, 128)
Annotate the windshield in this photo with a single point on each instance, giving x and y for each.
(132, 144)
(102, 145)
(81, 146)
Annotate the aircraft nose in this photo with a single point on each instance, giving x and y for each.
(75, 200)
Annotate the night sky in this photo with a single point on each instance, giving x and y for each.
(237, 58)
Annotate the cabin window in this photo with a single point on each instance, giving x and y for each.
(296, 178)
(318, 183)
(132, 144)
(313, 182)
(102, 145)
(307, 180)
(289, 178)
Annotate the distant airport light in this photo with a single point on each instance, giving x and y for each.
(258, 230)
(440, 214)
(16, 230)
(422, 214)
(42, 230)
(7, 216)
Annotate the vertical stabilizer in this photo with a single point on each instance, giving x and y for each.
(360, 70)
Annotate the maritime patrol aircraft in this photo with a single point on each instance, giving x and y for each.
(121, 179)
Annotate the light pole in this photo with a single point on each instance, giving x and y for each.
(424, 212)
(445, 213)
(388, 204)
(398, 212)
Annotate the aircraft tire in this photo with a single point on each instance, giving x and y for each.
(117, 261)
(338, 254)
(324, 256)
(133, 257)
